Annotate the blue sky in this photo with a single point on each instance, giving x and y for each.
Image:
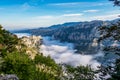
(21, 14)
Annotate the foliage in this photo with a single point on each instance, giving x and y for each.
(16, 61)
(7, 41)
(81, 34)
(116, 2)
(116, 74)
(111, 33)
(53, 68)
(41, 75)
(80, 73)
(39, 59)
(19, 64)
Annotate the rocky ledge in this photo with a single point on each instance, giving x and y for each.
(9, 77)
(32, 44)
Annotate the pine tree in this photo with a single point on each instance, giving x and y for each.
(113, 33)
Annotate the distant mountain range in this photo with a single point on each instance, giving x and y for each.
(81, 34)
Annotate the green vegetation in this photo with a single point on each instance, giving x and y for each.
(16, 61)
(46, 64)
(111, 33)
(19, 64)
(80, 73)
(45, 60)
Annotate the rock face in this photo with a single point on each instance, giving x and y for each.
(81, 34)
(95, 42)
(9, 77)
(32, 41)
(32, 44)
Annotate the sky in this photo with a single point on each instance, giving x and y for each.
(28, 14)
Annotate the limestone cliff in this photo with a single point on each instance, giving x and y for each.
(32, 44)
(21, 58)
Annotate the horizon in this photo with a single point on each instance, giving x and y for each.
(30, 14)
(59, 24)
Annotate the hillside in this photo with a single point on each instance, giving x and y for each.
(20, 57)
(81, 34)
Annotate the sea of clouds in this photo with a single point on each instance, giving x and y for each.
(64, 53)
(22, 34)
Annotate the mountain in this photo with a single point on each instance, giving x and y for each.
(81, 34)
(20, 59)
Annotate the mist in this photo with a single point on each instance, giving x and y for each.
(65, 53)
(19, 35)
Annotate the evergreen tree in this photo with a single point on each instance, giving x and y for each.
(111, 33)
(116, 2)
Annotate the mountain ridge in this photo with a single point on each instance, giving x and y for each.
(82, 34)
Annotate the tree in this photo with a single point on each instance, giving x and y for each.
(16, 61)
(111, 33)
(79, 73)
(19, 64)
(116, 2)
(49, 71)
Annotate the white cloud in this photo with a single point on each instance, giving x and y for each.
(91, 11)
(48, 20)
(59, 16)
(72, 15)
(106, 17)
(44, 17)
(64, 53)
(75, 4)
(116, 11)
(22, 34)
(64, 4)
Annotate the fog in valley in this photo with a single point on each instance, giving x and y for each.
(64, 53)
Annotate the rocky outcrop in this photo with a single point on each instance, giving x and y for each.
(31, 45)
(9, 77)
(32, 41)
(81, 34)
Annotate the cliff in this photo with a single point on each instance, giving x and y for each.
(81, 34)
(21, 57)
(32, 44)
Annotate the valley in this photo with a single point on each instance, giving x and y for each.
(81, 34)
(59, 40)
